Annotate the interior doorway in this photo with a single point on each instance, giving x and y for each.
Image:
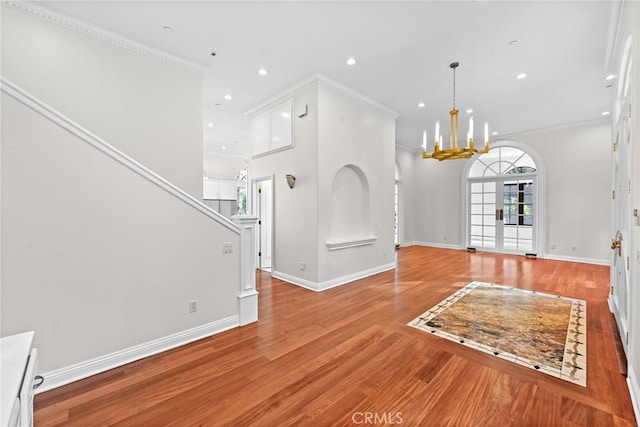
(263, 209)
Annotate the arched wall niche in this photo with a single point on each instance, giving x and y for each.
(350, 209)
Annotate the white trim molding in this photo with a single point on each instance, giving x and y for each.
(338, 281)
(247, 296)
(111, 151)
(320, 79)
(634, 390)
(581, 260)
(79, 371)
(103, 34)
(334, 245)
(434, 245)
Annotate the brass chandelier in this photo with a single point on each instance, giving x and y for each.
(454, 151)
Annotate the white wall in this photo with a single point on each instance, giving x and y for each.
(221, 166)
(295, 210)
(577, 194)
(437, 202)
(577, 180)
(352, 132)
(407, 161)
(340, 130)
(149, 109)
(95, 258)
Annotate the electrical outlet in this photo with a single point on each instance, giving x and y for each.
(302, 266)
(193, 306)
(227, 248)
(553, 246)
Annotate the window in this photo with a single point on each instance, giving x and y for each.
(518, 204)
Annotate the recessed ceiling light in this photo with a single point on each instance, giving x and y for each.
(421, 104)
(513, 42)
(606, 113)
(351, 61)
(210, 124)
(521, 76)
(227, 97)
(167, 28)
(262, 72)
(224, 147)
(494, 133)
(610, 77)
(469, 110)
(285, 115)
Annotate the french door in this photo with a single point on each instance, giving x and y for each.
(502, 214)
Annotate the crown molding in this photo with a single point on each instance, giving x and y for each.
(348, 91)
(614, 25)
(103, 34)
(319, 79)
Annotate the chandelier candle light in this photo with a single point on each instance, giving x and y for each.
(454, 151)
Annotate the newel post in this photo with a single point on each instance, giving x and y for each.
(247, 296)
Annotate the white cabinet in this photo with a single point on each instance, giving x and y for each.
(219, 189)
(272, 130)
(19, 364)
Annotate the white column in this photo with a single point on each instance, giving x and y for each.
(247, 296)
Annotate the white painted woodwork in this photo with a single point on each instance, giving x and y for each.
(18, 362)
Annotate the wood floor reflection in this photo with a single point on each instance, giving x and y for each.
(327, 359)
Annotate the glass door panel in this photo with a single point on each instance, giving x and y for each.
(501, 215)
(483, 215)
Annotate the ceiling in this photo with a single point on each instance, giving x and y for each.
(402, 52)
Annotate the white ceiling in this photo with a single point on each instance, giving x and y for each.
(403, 51)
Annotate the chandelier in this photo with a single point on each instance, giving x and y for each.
(454, 151)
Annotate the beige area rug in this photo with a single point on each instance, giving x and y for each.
(544, 332)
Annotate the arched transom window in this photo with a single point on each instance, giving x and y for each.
(502, 161)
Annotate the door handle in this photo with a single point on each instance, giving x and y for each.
(617, 244)
(501, 215)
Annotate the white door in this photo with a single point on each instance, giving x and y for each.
(621, 213)
(620, 257)
(264, 211)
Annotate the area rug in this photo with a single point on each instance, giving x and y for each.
(544, 332)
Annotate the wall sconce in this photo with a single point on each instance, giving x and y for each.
(291, 180)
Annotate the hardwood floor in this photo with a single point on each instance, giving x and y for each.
(346, 357)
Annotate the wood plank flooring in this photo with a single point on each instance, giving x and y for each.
(346, 357)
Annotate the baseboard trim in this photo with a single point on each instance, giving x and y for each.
(323, 286)
(434, 245)
(634, 390)
(68, 374)
(581, 260)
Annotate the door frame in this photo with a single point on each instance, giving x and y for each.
(254, 211)
(539, 195)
